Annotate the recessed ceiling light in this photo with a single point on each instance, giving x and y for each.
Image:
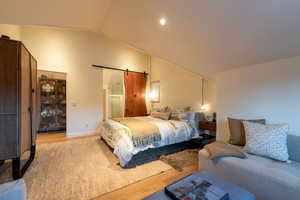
(162, 21)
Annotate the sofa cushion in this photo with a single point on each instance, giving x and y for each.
(294, 147)
(267, 140)
(237, 131)
(266, 178)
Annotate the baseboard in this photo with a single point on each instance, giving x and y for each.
(83, 133)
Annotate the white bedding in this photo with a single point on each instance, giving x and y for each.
(171, 132)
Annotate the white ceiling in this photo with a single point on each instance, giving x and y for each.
(204, 36)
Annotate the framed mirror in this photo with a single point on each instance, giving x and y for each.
(155, 92)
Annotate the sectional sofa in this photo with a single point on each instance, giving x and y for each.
(266, 178)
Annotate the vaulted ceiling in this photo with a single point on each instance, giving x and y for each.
(203, 36)
(81, 14)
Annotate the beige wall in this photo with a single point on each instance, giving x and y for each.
(210, 94)
(269, 90)
(13, 31)
(74, 52)
(180, 88)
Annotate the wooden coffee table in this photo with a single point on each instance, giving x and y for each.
(235, 192)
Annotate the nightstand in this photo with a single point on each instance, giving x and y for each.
(209, 126)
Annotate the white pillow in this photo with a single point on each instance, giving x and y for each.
(161, 109)
(267, 140)
(183, 116)
(161, 115)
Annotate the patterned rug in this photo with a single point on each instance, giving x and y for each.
(78, 169)
(181, 159)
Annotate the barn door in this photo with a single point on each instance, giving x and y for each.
(135, 90)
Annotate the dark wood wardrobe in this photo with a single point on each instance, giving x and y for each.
(18, 106)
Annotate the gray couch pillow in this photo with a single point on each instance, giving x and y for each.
(267, 140)
(294, 147)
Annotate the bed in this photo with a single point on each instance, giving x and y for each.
(120, 138)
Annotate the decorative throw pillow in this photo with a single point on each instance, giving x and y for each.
(161, 109)
(237, 130)
(161, 115)
(267, 140)
(188, 108)
(182, 116)
(178, 116)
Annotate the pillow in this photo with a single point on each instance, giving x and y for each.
(161, 115)
(183, 116)
(188, 108)
(237, 131)
(178, 116)
(161, 109)
(267, 140)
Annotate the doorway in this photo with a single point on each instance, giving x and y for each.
(113, 85)
(52, 101)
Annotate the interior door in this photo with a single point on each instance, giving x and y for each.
(135, 90)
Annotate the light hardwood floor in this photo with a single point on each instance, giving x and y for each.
(148, 186)
(44, 138)
(135, 191)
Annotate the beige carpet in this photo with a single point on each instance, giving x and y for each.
(79, 169)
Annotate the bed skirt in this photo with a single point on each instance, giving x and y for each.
(153, 154)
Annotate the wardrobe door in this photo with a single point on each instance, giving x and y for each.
(34, 103)
(8, 99)
(25, 100)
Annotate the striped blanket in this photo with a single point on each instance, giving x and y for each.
(142, 132)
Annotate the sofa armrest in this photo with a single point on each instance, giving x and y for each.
(203, 153)
(203, 159)
(15, 190)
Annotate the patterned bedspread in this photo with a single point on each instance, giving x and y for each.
(116, 135)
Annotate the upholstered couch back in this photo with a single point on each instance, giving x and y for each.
(294, 147)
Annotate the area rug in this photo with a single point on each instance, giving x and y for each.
(181, 159)
(79, 169)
